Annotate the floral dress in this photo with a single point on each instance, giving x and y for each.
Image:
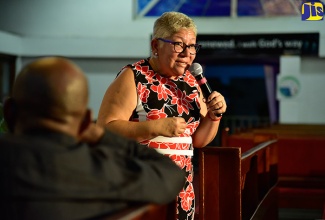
(160, 97)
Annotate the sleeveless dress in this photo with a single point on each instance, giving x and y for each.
(160, 97)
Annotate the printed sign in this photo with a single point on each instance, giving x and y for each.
(306, 44)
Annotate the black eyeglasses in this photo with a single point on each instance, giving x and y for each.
(180, 47)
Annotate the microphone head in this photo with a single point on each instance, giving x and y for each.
(196, 69)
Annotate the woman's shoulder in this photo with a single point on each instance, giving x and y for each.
(134, 66)
(143, 62)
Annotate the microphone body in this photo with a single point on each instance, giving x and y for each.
(197, 71)
(205, 87)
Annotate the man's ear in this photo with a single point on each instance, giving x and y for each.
(10, 113)
(86, 121)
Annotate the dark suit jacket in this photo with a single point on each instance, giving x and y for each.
(46, 175)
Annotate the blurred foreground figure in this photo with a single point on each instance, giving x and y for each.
(56, 164)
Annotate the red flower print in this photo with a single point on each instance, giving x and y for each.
(145, 142)
(149, 76)
(158, 145)
(188, 164)
(187, 197)
(166, 82)
(161, 91)
(144, 92)
(139, 62)
(145, 70)
(138, 68)
(181, 146)
(191, 127)
(183, 101)
(189, 79)
(155, 114)
(190, 178)
(179, 160)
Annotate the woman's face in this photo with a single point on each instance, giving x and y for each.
(171, 63)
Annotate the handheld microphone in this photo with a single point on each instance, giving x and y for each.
(197, 71)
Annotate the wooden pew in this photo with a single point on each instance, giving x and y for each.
(238, 186)
(301, 167)
(295, 149)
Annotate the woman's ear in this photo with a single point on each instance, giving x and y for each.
(154, 46)
(10, 113)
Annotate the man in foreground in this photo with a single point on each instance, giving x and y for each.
(56, 164)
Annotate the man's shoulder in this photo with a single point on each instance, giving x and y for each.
(40, 142)
(114, 138)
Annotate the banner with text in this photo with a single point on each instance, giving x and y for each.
(259, 44)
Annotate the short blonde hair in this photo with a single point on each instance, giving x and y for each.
(170, 23)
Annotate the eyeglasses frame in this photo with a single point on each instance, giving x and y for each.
(197, 46)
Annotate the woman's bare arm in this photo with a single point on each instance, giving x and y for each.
(207, 130)
(117, 107)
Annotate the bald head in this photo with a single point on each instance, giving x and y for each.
(52, 89)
